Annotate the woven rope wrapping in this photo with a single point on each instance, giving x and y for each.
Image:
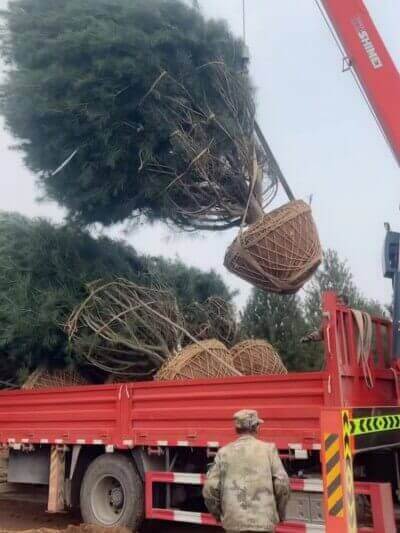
(215, 320)
(280, 252)
(206, 359)
(257, 357)
(125, 329)
(43, 379)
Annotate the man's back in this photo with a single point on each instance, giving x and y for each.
(243, 484)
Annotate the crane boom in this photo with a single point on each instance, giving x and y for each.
(371, 61)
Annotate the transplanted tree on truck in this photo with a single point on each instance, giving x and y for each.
(44, 271)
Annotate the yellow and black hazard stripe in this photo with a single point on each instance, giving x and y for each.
(374, 424)
(333, 475)
(348, 459)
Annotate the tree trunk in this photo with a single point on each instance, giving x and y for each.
(254, 212)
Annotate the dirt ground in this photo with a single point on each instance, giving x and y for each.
(23, 516)
(26, 511)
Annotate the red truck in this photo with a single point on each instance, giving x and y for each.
(131, 451)
(140, 450)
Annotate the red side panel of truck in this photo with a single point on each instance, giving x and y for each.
(199, 413)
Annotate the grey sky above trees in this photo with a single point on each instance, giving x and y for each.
(319, 129)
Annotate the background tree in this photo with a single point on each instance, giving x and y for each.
(129, 107)
(44, 270)
(284, 320)
(279, 320)
(334, 275)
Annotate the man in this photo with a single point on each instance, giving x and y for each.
(247, 487)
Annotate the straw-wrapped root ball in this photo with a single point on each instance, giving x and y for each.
(43, 378)
(205, 359)
(252, 357)
(280, 252)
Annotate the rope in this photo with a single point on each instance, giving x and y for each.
(244, 20)
(364, 341)
(254, 178)
(279, 252)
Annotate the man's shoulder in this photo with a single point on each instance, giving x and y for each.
(247, 442)
(262, 445)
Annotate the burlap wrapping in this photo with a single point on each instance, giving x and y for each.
(253, 357)
(280, 252)
(43, 379)
(206, 359)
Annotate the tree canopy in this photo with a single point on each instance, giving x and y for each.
(44, 271)
(280, 320)
(335, 275)
(130, 107)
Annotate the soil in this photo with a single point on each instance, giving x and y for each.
(31, 517)
(26, 512)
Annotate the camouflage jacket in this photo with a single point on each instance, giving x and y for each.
(247, 487)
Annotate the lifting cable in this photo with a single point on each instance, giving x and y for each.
(244, 20)
(274, 167)
(347, 61)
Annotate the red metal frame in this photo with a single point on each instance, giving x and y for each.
(372, 63)
(347, 384)
(381, 504)
(379, 493)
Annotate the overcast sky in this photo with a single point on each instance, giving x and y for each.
(318, 126)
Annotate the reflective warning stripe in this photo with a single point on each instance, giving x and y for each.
(348, 459)
(333, 475)
(374, 424)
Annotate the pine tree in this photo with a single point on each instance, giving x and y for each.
(335, 275)
(131, 107)
(44, 270)
(279, 320)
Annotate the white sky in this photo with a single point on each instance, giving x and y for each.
(318, 126)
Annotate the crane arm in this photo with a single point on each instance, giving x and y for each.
(371, 61)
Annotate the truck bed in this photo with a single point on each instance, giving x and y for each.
(190, 413)
(198, 413)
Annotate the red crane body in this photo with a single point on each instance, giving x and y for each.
(371, 61)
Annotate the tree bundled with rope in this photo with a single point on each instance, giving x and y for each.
(126, 329)
(214, 319)
(126, 108)
(209, 171)
(44, 271)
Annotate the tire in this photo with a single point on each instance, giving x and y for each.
(112, 493)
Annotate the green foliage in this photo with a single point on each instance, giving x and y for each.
(279, 320)
(335, 275)
(193, 288)
(190, 284)
(81, 72)
(43, 273)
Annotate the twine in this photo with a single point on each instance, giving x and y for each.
(256, 356)
(205, 359)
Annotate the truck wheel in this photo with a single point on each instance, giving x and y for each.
(112, 493)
